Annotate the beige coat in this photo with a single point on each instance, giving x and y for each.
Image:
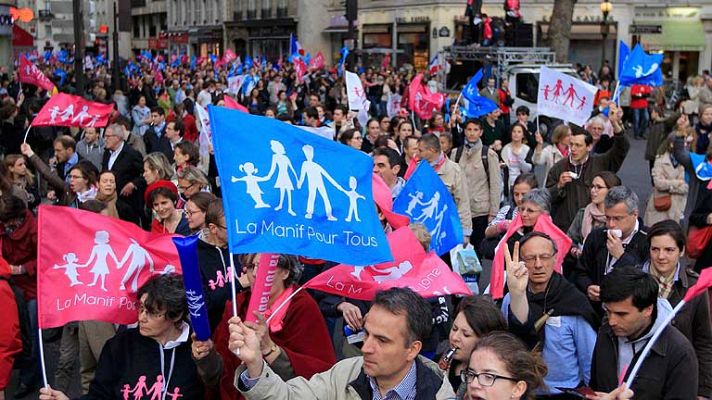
(667, 180)
(484, 191)
(454, 179)
(332, 384)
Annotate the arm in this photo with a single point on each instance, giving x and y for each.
(526, 162)
(462, 200)
(682, 154)
(679, 382)
(53, 179)
(210, 368)
(615, 156)
(585, 340)
(702, 343)
(495, 183)
(585, 266)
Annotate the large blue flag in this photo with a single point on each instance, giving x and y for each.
(288, 191)
(642, 68)
(425, 199)
(197, 305)
(344, 54)
(623, 51)
(476, 105)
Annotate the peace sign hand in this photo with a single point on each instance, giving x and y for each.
(517, 272)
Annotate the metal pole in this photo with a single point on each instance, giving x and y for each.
(78, 46)
(116, 78)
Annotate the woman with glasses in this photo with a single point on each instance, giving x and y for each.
(352, 138)
(157, 359)
(591, 216)
(195, 210)
(192, 181)
(294, 343)
(476, 316)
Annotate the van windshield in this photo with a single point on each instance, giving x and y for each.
(527, 85)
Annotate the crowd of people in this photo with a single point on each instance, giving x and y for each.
(554, 335)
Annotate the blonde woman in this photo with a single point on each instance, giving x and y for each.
(22, 179)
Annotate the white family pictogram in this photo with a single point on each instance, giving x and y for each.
(136, 257)
(68, 115)
(431, 214)
(639, 73)
(311, 174)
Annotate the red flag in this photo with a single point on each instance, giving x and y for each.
(317, 62)
(229, 56)
(158, 75)
(543, 224)
(425, 273)
(29, 73)
(66, 110)
(421, 101)
(703, 282)
(386, 61)
(300, 68)
(95, 275)
(232, 103)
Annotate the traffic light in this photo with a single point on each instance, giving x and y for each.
(352, 10)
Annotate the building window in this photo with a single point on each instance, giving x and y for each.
(136, 26)
(377, 36)
(415, 43)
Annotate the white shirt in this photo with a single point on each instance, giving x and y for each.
(114, 155)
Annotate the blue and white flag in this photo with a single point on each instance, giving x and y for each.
(426, 200)
(344, 54)
(623, 51)
(198, 311)
(642, 68)
(476, 105)
(288, 191)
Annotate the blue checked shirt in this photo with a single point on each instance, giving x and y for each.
(405, 390)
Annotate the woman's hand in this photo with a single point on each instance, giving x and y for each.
(200, 349)
(47, 393)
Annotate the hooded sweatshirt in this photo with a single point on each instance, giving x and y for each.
(628, 348)
(214, 265)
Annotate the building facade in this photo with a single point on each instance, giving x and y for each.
(148, 20)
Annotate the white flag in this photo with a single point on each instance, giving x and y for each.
(203, 118)
(234, 84)
(565, 97)
(326, 132)
(354, 89)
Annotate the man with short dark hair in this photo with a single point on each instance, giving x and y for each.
(390, 368)
(311, 117)
(156, 130)
(569, 180)
(543, 308)
(622, 242)
(386, 163)
(630, 298)
(173, 135)
(452, 176)
(65, 152)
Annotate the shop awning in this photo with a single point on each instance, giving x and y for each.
(676, 36)
(21, 38)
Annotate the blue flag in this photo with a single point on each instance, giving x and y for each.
(470, 90)
(642, 68)
(188, 252)
(289, 191)
(476, 105)
(248, 62)
(426, 200)
(62, 74)
(193, 62)
(344, 54)
(624, 51)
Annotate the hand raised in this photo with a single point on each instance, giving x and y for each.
(244, 342)
(517, 272)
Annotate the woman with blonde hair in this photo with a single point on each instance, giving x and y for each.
(548, 155)
(22, 179)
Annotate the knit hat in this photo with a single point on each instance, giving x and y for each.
(159, 184)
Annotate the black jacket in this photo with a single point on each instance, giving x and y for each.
(128, 167)
(669, 371)
(151, 138)
(591, 266)
(129, 356)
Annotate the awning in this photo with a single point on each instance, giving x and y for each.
(21, 38)
(676, 35)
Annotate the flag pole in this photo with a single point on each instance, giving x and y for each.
(615, 92)
(651, 342)
(27, 132)
(42, 358)
(233, 290)
(285, 302)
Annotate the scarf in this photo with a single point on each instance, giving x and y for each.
(665, 283)
(110, 202)
(592, 218)
(275, 325)
(87, 195)
(564, 150)
(561, 298)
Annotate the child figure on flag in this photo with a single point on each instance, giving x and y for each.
(353, 200)
(252, 182)
(70, 268)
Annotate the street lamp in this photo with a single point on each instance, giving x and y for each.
(606, 8)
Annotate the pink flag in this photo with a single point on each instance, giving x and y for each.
(96, 274)
(232, 103)
(263, 285)
(543, 224)
(29, 73)
(317, 62)
(386, 62)
(425, 273)
(421, 101)
(158, 74)
(229, 56)
(703, 282)
(300, 68)
(66, 110)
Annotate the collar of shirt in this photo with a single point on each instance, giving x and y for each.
(117, 151)
(71, 162)
(405, 390)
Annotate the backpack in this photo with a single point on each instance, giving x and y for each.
(25, 326)
(485, 163)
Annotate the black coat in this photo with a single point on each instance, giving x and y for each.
(151, 138)
(669, 371)
(591, 266)
(217, 291)
(128, 167)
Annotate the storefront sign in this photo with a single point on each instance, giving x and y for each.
(157, 43)
(403, 20)
(175, 37)
(645, 29)
(667, 13)
(444, 32)
(5, 21)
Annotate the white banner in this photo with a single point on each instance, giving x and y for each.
(234, 84)
(354, 89)
(565, 97)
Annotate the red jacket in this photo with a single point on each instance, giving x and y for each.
(10, 342)
(639, 96)
(190, 132)
(20, 248)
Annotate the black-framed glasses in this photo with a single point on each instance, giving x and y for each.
(483, 378)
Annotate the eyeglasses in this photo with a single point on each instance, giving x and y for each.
(531, 260)
(190, 213)
(483, 378)
(598, 187)
(184, 188)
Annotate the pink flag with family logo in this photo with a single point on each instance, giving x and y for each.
(66, 110)
(29, 73)
(95, 274)
(412, 267)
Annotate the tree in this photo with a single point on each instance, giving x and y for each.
(560, 28)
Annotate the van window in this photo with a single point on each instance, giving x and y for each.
(527, 85)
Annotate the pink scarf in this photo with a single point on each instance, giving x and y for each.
(592, 218)
(275, 325)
